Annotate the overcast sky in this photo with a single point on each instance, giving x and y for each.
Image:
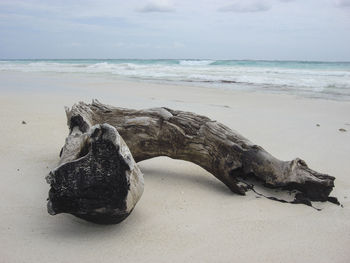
(218, 29)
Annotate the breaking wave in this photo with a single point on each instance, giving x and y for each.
(315, 79)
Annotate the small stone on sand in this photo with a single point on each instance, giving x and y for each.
(342, 130)
(318, 125)
(23, 122)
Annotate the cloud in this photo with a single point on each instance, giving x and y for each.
(170, 46)
(178, 45)
(342, 3)
(246, 6)
(75, 44)
(157, 6)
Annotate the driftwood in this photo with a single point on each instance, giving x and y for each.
(97, 179)
(223, 152)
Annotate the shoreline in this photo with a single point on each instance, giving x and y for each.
(108, 80)
(307, 79)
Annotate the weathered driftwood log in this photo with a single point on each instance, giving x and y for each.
(183, 135)
(97, 179)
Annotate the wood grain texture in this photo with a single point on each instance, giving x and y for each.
(223, 152)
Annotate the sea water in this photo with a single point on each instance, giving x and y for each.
(328, 80)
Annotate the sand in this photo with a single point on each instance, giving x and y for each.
(185, 214)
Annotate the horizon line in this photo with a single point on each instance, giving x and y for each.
(262, 60)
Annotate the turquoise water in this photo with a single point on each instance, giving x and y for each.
(330, 80)
(233, 63)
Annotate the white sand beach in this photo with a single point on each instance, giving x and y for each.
(185, 214)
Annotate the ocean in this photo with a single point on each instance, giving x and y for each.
(327, 80)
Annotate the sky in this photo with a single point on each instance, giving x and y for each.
(315, 30)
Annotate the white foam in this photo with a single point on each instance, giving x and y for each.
(195, 62)
(202, 72)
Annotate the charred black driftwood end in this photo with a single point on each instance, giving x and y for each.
(97, 185)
